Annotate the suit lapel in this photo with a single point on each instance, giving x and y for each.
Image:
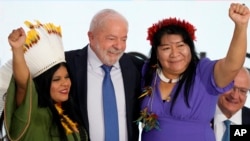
(81, 83)
(131, 82)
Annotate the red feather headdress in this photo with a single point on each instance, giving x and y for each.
(171, 21)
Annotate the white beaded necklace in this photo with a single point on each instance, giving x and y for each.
(165, 79)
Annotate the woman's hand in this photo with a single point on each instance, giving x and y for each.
(17, 38)
(239, 13)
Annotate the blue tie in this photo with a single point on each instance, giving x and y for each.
(109, 107)
(226, 136)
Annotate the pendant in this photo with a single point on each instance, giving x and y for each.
(168, 99)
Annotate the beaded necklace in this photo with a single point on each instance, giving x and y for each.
(165, 79)
(66, 122)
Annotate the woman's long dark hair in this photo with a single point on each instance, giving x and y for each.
(188, 75)
(43, 84)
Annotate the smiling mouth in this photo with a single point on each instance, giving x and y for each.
(64, 91)
(231, 101)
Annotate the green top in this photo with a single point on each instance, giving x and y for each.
(28, 122)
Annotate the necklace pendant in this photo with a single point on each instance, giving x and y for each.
(168, 99)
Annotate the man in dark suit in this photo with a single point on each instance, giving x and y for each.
(231, 105)
(107, 43)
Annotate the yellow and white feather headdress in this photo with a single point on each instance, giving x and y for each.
(43, 49)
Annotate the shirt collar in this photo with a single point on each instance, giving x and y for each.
(236, 119)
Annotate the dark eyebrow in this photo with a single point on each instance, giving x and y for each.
(171, 43)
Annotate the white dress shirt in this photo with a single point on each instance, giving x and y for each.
(94, 98)
(219, 127)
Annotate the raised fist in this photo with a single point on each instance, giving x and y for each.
(17, 38)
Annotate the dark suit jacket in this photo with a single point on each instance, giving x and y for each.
(131, 73)
(245, 117)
